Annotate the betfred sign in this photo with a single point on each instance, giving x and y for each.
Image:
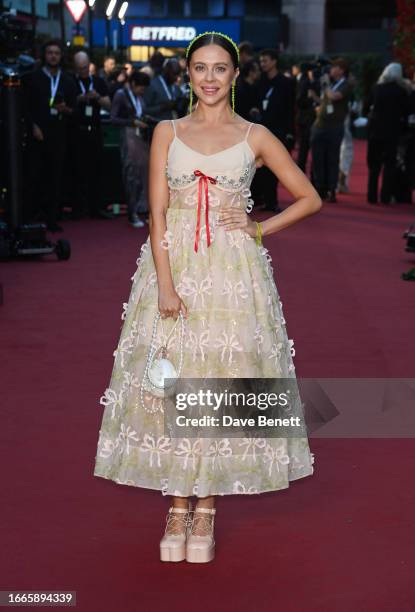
(147, 34)
(139, 31)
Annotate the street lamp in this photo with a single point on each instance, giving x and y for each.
(110, 8)
(122, 11)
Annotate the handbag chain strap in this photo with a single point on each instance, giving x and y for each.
(153, 350)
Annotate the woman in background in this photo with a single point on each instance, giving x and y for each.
(127, 111)
(388, 108)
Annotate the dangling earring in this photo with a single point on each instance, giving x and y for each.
(191, 98)
(233, 97)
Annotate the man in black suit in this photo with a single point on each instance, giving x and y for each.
(276, 103)
(86, 139)
(306, 114)
(50, 96)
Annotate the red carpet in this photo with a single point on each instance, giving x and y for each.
(338, 541)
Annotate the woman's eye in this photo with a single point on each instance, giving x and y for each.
(199, 68)
(221, 68)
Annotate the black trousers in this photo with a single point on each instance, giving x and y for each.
(265, 184)
(325, 147)
(45, 171)
(380, 153)
(86, 147)
(304, 134)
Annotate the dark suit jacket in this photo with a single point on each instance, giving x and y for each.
(388, 108)
(279, 115)
(155, 95)
(123, 112)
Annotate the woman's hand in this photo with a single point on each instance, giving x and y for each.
(140, 124)
(170, 304)
(234, 218)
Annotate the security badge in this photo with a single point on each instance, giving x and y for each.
(329, 109)
(88, 110)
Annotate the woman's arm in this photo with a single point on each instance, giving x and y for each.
(169, 301)
(275, 156)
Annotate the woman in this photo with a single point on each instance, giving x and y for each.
(127, 111)
(211, 270)
(389, 105)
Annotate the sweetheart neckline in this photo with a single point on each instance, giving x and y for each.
(218, 152)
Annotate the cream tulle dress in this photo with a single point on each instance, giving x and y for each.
(235, 328)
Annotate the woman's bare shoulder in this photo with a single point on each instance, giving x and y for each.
(261, 135)
(164, 131)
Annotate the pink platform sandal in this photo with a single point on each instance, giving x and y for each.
(201, 548)
(173, 542)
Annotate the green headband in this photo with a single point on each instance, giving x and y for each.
(218, 34)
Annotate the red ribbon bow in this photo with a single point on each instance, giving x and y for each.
(203, 182)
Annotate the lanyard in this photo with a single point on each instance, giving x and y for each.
(166, 89)
(54, 84)
(136, 103)
(82, 86)
(337, 85)
(269, 92)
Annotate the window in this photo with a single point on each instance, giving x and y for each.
(158, 8)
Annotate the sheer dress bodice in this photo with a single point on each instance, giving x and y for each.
(226, 174)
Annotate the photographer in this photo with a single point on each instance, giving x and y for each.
(50, 96)
(128, 108)
(86, 138)
(164, 99)
(328, 129)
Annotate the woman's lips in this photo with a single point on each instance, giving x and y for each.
(210, 91)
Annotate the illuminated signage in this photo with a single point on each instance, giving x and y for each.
(160, 34)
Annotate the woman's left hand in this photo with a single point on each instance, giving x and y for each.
(237, 219)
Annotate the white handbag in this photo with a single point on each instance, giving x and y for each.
(158, 367)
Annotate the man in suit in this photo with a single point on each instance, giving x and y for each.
(305, 111)
(276, 104)
(328, 128)
(50, 97)
(86, 139)
(163, 98)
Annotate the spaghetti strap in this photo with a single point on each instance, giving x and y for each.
(174, 126)
(248, 130)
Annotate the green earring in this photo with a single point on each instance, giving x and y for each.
(191, 99)
(233, 97)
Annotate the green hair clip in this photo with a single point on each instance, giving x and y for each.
(218, 34)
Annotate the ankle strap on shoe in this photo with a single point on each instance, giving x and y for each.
(179, 510)
(206, 510)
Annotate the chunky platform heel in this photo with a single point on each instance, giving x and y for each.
(173, 542)
(201, 548)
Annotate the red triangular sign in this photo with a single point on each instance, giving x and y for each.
(76, 8)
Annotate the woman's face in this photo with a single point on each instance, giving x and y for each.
(211, 72)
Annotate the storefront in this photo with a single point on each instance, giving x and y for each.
(140, 37)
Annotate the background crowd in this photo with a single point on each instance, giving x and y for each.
(312, 108)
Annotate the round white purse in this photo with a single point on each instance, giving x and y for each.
(158, 367)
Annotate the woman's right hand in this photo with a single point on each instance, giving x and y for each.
(170, 304)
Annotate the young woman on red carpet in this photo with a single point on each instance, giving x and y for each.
(204, 270)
